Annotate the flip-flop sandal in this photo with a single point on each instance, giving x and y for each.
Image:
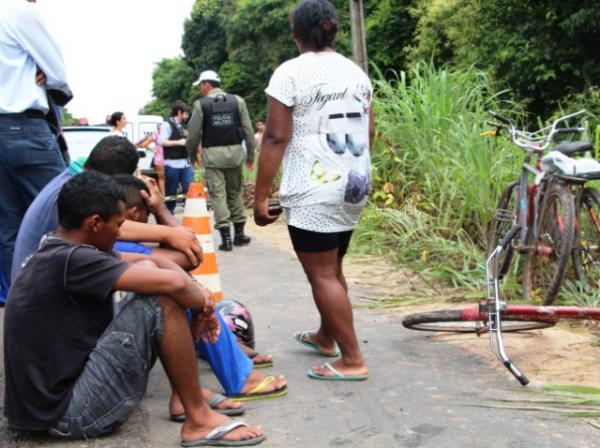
(337, 375)
(215, 437)
(256, 394)
(302, 338)
(261, 364)
(213, 402)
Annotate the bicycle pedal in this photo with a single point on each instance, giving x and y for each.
(503, 214)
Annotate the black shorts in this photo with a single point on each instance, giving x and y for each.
(307, 241)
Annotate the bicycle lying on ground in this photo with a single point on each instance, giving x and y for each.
(494, 316)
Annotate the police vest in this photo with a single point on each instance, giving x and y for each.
(175, 152)
(222, 123)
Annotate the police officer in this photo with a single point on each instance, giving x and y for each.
(220, 123)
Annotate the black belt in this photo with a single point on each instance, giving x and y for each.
(29, 113)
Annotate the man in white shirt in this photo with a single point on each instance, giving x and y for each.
(30, 65)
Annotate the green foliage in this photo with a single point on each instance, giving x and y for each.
(389, 29)
(542, 49)
(172, 81)
(258, 40)
(204, 40)
(447, 31)
(67, 118)
(435, 180)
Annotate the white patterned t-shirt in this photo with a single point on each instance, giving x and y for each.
(327, 164)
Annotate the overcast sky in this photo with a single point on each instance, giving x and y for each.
(110, 48)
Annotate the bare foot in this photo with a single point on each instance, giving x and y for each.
(342, 367)
(255, 356)
(176, 408)
(210, 420)
(260, 358)
(255, 378)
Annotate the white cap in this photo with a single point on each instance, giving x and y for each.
(207, 75)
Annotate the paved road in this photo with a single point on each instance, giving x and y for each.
(415, 397)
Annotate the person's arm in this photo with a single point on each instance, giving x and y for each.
(160, 277)
(194, 137)
(165, 135)
(34, 38)
(248, 133)
(276, 137)
(156, 204)
(371, 127)
(179, 238)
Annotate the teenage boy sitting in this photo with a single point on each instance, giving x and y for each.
(75, 369)
(230, 364)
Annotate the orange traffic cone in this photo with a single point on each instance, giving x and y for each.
(197, 218)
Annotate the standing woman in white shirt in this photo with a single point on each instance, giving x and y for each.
(31, 66)
(118, 122)
(320, 124)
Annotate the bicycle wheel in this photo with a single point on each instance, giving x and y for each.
(454, 321)
(545, 265)
(586, 253)
(504, 218)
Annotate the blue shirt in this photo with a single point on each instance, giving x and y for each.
(41, 217)
(25, 45)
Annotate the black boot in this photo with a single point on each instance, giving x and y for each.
(225, 239)
(240, 238)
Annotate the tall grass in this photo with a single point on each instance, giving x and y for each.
(436, 181)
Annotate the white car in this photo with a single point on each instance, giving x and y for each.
(82, 139)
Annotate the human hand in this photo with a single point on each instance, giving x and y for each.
(40, 77)
(184, 240)
(181, 142)
(205, 326)
(154, 200)
(205, 329)
(262, 217)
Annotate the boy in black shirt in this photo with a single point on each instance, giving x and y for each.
(73, 368)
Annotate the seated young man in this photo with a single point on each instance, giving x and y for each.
(76, 369)
(230, 364)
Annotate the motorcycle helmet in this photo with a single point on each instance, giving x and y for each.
(238, 319)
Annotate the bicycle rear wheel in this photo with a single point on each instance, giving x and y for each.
(504, 218)
(465, 321)
(545, 265)
(586, 253)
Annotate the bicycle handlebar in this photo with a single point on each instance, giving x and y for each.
(509, 236)
(500, 118)
(537, 140)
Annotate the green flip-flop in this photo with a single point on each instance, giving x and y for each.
(337, 375)
(302, 338)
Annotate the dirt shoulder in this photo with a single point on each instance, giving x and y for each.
(565, 354)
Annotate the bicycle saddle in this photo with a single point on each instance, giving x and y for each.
(571, 148)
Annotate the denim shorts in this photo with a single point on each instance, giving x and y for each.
(115, 376)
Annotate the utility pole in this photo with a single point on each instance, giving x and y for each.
(359, 43)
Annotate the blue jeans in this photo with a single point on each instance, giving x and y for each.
(114, 379)
(29, 159)
(175, 177)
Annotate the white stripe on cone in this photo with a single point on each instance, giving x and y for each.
(211, 282)
(206, 242)
(195, 208)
